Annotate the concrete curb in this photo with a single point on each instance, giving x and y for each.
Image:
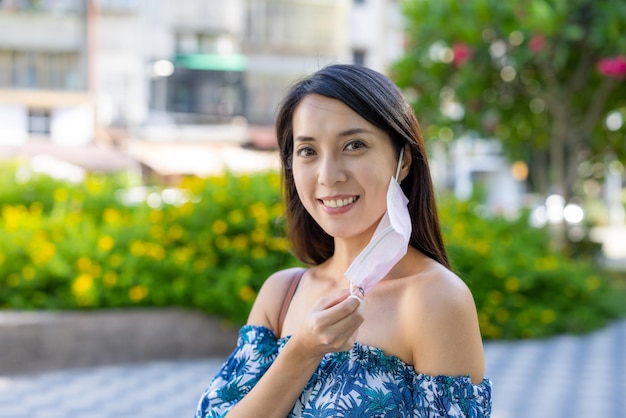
(32, 342)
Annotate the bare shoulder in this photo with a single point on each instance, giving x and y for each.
(440, 292)
(442, 324)
(266, 308)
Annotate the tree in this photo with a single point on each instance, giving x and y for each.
(542, 76)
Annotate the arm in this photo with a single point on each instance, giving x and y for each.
(331, 326)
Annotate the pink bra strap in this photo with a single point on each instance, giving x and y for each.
(287, 301)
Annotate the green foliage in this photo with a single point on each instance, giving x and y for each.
(76, 246)
(523, 289)
(529, 73)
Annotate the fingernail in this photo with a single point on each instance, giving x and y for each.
(357, 298)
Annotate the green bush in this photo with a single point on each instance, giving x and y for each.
(78, 246)
(522, 288)
(212, 242)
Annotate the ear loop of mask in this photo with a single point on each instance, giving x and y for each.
(358, 288)
(399, 164)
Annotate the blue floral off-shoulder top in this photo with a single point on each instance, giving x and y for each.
(362, 382)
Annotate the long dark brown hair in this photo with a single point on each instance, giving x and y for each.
(379, 101)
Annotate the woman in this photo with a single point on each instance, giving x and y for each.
(411, 346)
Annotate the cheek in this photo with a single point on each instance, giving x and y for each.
(303, 187)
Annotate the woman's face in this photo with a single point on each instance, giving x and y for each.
(342, 165)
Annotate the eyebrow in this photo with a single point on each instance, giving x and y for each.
(347, 132)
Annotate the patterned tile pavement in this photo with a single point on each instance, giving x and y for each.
(562, 377)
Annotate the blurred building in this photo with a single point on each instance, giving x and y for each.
(167, 69)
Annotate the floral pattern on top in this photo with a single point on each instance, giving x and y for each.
(362, 382)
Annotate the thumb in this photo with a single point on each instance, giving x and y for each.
(332, 300)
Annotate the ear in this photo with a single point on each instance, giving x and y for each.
(407, 159)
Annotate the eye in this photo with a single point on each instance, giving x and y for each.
(355, 145)
(305, 152)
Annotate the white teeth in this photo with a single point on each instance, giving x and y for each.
(339, 203)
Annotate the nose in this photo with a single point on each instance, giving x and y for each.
(331, 171)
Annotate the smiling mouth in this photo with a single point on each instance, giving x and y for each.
(339, 203)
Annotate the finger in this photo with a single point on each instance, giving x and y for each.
(331, 300)
(345, 307)
(353, 296)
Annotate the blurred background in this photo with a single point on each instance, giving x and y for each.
(140, 207)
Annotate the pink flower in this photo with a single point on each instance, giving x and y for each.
(612, 67)
(536, 43)
(462, 53)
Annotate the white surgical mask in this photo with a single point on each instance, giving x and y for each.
(389, 242)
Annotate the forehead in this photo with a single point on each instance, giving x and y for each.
(316, 112)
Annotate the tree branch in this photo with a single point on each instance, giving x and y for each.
(596, 106)
(580, 76)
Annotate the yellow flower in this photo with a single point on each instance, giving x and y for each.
(95, 270)
(110, 278)
(274, 180)
(137, 293)
(186, 208)
(280, 243)
(72, 219)
(155, 251)
(155, 216)
(512, 284)
(246, 293)
(278, 210)
(200, 265)
(175, 232)
(82, 285)
(137, 248)
(495, 297)
(235, 216)
(111, 216)
(115, 260)
(220, 197)
(60, 195)
(546, 263)
(482, 247)
(258, 210)
(221, 242)
(592, 283)
(502, 315)
(244, 182)
(36, 208)
(43, 253)
(105, 243)
(548, 316)
(156, 231)
(12, 217)
(83, 263)
(259, 252)
(220, 227)
(458, 230)
(28, 272)
(258, 236)
(182, 255)
(240, 242)
(219, 181)
(94, 184)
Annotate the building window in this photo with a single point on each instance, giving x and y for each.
(39, 121)
(358, 57)
(38, 69)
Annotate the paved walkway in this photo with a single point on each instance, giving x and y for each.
(562, 377)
